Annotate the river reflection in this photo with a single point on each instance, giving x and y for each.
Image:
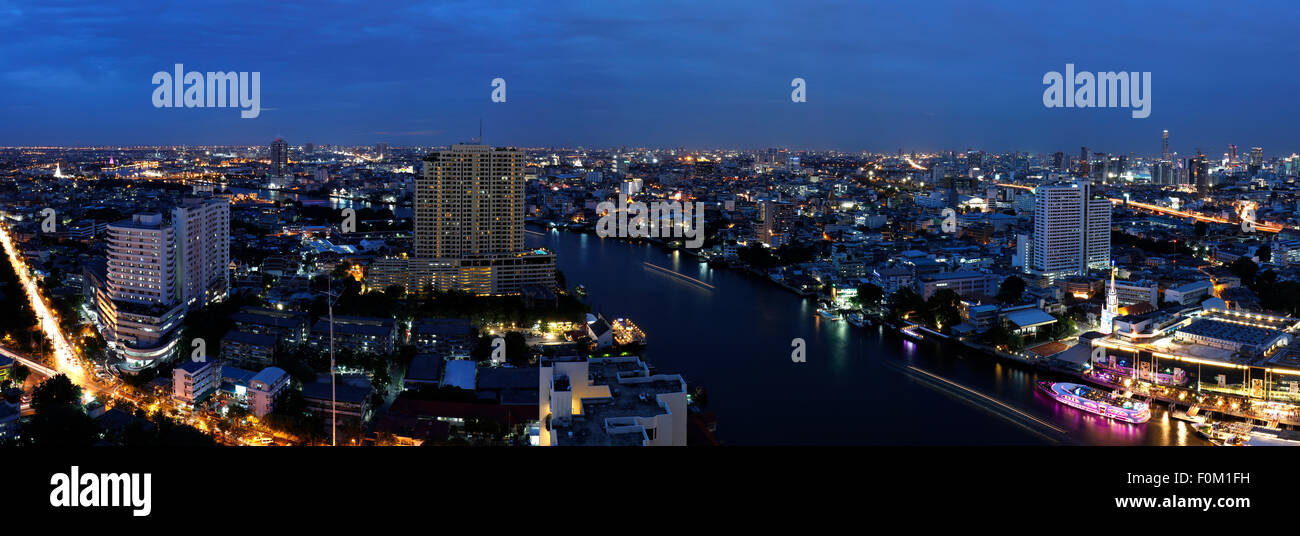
(731, 332)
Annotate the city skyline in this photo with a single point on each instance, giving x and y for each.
(582, 74)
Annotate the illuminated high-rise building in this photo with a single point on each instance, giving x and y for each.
(1071, 230)
(156, 269)
(1256, 161)
(1198, 173)
(279, 157)
(469, 227)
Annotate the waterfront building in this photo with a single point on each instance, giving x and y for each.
(1129, 293)
(1189, 293)
(964, 283)
(1111, 310)
(610, 401)
(469, 227)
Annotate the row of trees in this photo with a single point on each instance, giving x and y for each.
(60, 420)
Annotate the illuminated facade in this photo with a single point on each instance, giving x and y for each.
(155, 270)
(1071, 231)
(469, 228)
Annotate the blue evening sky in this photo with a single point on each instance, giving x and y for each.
(705, 73)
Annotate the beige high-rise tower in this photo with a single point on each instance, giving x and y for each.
(469, 228)
(469, 202)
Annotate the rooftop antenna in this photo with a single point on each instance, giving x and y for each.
(480, 130)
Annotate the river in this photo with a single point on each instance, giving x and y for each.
(732, 333)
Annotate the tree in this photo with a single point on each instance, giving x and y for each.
(869, 294)
(517, 351)
(19, 374)
(1265, 253)
(60, 419)
(1011, 289)
(905, 301)
(943, 308)
(55, 392)
(1245, 269)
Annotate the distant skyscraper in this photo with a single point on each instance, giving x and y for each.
(1232, 153)
(1058, 161)
(1083, 162)
(1198, 173)
(1256, 161)
(1163, 172)
(279, 157)
(1071, 230)
(1164, 146)
(381, 150)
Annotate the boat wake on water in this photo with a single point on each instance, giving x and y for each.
(1034, 425)
(679, 277)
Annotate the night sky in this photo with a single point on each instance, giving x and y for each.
(701, 74)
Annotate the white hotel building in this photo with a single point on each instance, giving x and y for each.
(155, 270)
(1071, 231)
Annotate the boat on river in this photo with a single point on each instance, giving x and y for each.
(1097, 401)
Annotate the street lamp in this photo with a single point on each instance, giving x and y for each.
(331, 297)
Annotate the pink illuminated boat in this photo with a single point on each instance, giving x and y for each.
(1097, 401)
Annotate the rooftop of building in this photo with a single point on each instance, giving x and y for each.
(425, 368)
(192, 367)
(1228, 331)
(460, 373)
(1025, 318)
(345, 393)
(442, 326)
(502, 378)
(633, 394)
(269, 375)
(244, 337)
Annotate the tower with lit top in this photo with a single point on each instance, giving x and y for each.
(1112, 306)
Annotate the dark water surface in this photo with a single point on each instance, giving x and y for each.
(731, 332)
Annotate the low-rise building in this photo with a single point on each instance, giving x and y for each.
(357, 333)
(265, 388)
(194, 382)
(452, 337)
(248, 349)
(610, 401)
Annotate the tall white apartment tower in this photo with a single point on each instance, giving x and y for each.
(141, 264)
(202, 230)
(1071, 230)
